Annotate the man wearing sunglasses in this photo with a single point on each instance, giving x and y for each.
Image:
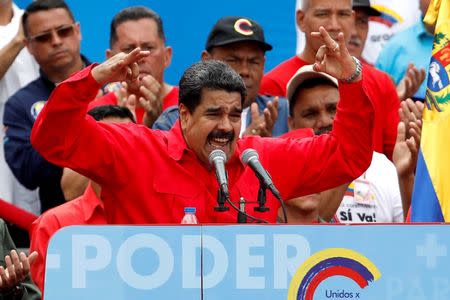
(53, 38)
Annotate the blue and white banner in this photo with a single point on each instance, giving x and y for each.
(249, 262)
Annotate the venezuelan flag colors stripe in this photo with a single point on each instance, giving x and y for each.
(328, 263)
(388, 16)
(431, 196)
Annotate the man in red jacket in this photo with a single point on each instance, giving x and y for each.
(338, 16)
(150, 176)
(139, 26)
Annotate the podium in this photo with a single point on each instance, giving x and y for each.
(249, 262)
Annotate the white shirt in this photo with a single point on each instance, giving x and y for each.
(374, 197)
(23, 70)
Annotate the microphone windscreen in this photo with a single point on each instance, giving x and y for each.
(248, 154)
(217, 154)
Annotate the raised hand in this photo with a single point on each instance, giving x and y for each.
(120, 67)
(16, 270)
(333, 57)
(150, 99)
(406, 149)
(405, 160)
(411, 82)
(411, 112)
(262, 125)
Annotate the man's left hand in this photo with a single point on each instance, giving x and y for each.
(333, 57)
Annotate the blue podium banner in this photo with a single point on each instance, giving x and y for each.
(249, 262)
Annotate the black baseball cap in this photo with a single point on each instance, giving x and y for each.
(365, 4)
(230, 30)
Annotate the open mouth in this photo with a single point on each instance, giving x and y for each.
(219, 139)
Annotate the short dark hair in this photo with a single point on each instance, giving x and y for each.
(135, 13)
(111, 111)
(40, 5)
(209, 74)
(307, 84)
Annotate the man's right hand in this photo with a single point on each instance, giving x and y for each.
(120, 67)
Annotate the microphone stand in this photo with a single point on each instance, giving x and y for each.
(242, 218)
(262, 198)
(221, 199)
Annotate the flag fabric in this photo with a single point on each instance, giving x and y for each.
(431, 195)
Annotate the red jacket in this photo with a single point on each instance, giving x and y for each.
(150, 176)
(85, 210)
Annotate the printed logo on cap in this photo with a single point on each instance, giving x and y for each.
(243, 26)
(36, 108)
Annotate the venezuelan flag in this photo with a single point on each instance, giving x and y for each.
(431, 196)
(350, 190)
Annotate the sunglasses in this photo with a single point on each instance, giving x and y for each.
(62, 32)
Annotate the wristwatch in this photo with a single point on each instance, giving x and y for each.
(357, 72)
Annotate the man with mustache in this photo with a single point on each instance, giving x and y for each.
(138, 26)
(338, 16)
(52, 36)
(150, 176)
(374, 196)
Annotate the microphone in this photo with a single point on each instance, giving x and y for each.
(217, 158)
(251, 158)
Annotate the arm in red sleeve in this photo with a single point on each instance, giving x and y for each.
(66, 136)
(310, 165)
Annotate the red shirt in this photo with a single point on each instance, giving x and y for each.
(84, 210)
(381, 90)
(275, 81)
(150, 176)
(110, 99)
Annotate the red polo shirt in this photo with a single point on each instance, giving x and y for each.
(150, 176)
(380, 89)
(84, 210)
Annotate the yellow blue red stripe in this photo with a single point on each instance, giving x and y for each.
(431, 196)
(328, 263)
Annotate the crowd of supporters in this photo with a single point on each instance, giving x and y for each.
(338, 135)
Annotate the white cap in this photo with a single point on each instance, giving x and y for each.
(302, 74)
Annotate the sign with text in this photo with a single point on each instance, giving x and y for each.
(249, 262)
